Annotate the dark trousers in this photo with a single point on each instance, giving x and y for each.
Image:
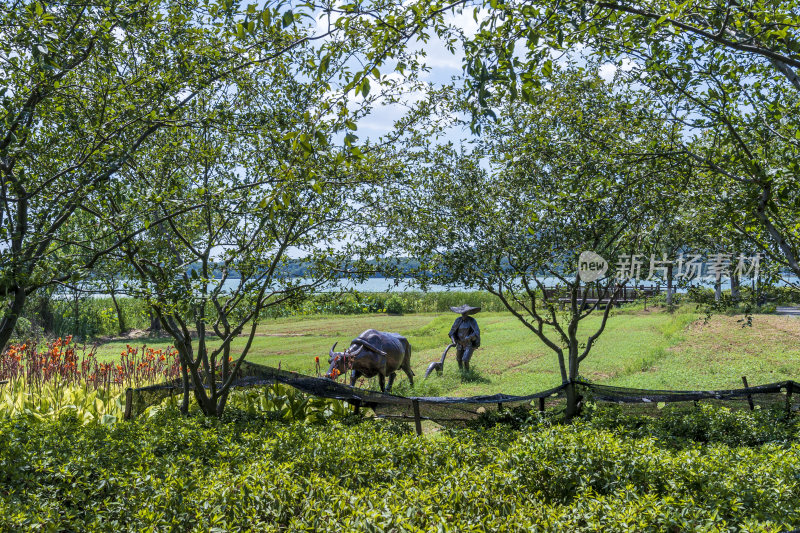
(463, 355)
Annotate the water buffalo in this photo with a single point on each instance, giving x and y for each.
(373, 353)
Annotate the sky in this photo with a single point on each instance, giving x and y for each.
(444, 66)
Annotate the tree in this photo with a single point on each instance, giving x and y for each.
(86, 85)
(83, 86)
(725, 71)
(575, 172)
(245, 198)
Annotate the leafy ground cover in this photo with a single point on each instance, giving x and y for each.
(642, 348)
(252, 472)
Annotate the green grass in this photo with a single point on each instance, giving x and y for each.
(648, 349)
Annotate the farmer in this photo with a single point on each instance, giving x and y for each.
(465, 334)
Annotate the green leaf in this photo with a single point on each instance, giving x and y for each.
(547, 68)
(324, 64)
(307, 148)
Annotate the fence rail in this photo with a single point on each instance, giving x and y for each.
(592, 295)
(460, 410)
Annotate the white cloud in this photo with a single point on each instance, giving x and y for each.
(466, 21)
(437, 54)
(607, 71)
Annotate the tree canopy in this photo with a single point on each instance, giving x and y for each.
(577, 170)
(726, 72)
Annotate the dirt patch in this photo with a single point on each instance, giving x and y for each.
(345, 325)
(289, 335)
(723, 336)
(601, 376)
(132, 335)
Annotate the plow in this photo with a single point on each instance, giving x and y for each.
(438, 365)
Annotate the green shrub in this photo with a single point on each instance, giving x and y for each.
(24, 331)
(680, 426)
(250, 472)
(97, 317)
(394, 305)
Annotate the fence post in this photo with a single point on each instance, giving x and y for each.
(128, 402)
(499, 406)
(541, 405)
(356, 406)
(417, 419)
(749, 396)
(789, 398)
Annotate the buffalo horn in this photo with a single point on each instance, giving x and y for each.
(333, 348)
(368, 345)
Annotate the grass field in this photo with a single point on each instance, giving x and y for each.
(648, 349)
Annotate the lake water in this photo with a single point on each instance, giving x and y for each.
(406, 285)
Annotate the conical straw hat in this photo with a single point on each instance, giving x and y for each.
(465, 309)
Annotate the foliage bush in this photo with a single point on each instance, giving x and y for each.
(96, 317)
(54, 400)
(355, 303)
(251, 472)
(681, 426)
(24, 330)
(394, 305)
(783, 295)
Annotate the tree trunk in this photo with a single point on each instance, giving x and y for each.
(120, 318)
(735, 296)
(573, 401)
(185, 382)
(669, 286)
(222, 401)
(10, 317)
(155, 323)
(757, 291)
(45, 313)
(573, 398)
(205, 400)
(77, 313)
(717, 291)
